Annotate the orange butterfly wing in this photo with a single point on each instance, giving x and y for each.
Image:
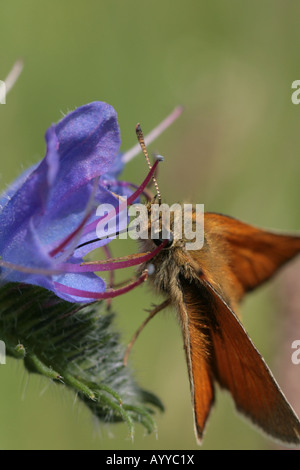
(220, 349)
(235, 258)
(197, 345)
(238, 367)
(250, 255)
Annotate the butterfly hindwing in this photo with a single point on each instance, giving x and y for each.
(252, 255)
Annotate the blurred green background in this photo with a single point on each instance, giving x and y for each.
(235, 149)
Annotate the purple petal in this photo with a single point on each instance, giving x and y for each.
(81, 282)
(89, 141)
(13, 187)
(31, 198)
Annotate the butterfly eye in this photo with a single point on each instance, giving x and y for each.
(160, 240)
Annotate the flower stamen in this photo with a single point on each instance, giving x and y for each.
(130, 154)
(109, 294)
(114, 263)
(104, 219)
(78, 231)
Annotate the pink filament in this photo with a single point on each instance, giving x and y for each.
(130, 154)
(123, 206)
(125, 184)
(106, 218)
(100, 295)
(77, 231)
(70, 237)
(94, 267)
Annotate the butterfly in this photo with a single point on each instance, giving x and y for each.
(206, 287)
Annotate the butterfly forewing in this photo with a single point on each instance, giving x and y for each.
(238, 367)
(197, 346)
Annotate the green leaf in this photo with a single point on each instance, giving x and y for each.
(75, 346)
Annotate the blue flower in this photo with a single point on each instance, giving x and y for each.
(48, 202)
(47, 216)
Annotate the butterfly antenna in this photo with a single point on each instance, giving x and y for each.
(141, 140)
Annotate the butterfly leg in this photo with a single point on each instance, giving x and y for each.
(152, 314)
